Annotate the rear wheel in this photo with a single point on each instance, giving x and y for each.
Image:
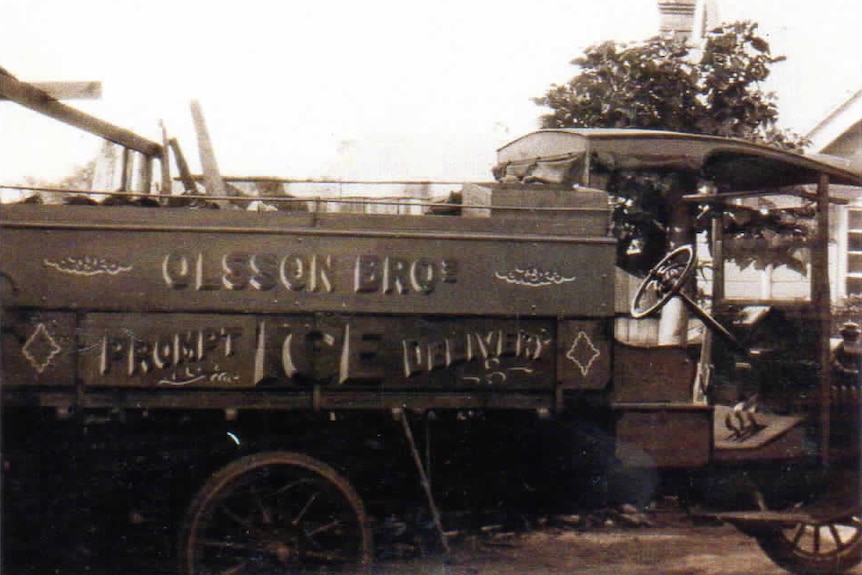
(275, 512)
(815, 548)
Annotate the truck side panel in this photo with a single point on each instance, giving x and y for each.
(83, 264)
(133, 308)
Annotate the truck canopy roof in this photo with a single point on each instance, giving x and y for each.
(567, 156)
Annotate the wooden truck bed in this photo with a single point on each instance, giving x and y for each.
(181, 308)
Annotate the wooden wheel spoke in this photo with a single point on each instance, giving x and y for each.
(836, 536)
(323, 528)
(290, 485)
(829, 546)
(265, 511)
(222, 544)
(328, 556)
(283, 497)
(296, 521)
(800, 531)
(236, 517)
(236, 569)
(816, 537)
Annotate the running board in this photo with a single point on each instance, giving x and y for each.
(759, 519)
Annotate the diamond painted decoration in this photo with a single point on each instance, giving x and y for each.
(583, 353)
(41, 348)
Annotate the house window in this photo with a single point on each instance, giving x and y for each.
(854, 251)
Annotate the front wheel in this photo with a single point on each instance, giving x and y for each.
(275, 512)
(815, 548)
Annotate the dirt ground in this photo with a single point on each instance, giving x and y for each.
(713, 550)
(658, 550)
(666, 542)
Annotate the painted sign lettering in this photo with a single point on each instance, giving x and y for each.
(184, 269)
(134, 354)
(243, 351)
(155, 350)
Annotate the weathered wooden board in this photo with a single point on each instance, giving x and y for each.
(380, 353)
(121, 259)
(359, 358)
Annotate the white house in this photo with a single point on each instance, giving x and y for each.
(839, 134)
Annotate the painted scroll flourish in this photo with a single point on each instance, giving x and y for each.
(533, 277)
(192, 377)
(87, 266)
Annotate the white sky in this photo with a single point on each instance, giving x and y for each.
(372, 89)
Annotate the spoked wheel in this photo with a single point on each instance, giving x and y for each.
(815, 548)
(275, 512)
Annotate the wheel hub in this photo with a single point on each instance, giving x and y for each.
(283, 553)
(281, 545)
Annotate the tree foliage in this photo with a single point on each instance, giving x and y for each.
(659, 84)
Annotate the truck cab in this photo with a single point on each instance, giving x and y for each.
(724, 353)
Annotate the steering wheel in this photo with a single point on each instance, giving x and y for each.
(664, 281)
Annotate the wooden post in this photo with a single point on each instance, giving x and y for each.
(674, 319)
(145, 173)
(186, 178)
(127, 170)
(717, 227)
(212, 177)
(821, 300)
(164, 163)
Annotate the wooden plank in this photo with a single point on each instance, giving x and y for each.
(663, 374)
(349, 181)
(173, 360)
(189, 184)
(212, 177)
(763, 518)
(519, 230)
(69, 90)
(281, 400)
(42, 102)
(285, 269)
(663, 437)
